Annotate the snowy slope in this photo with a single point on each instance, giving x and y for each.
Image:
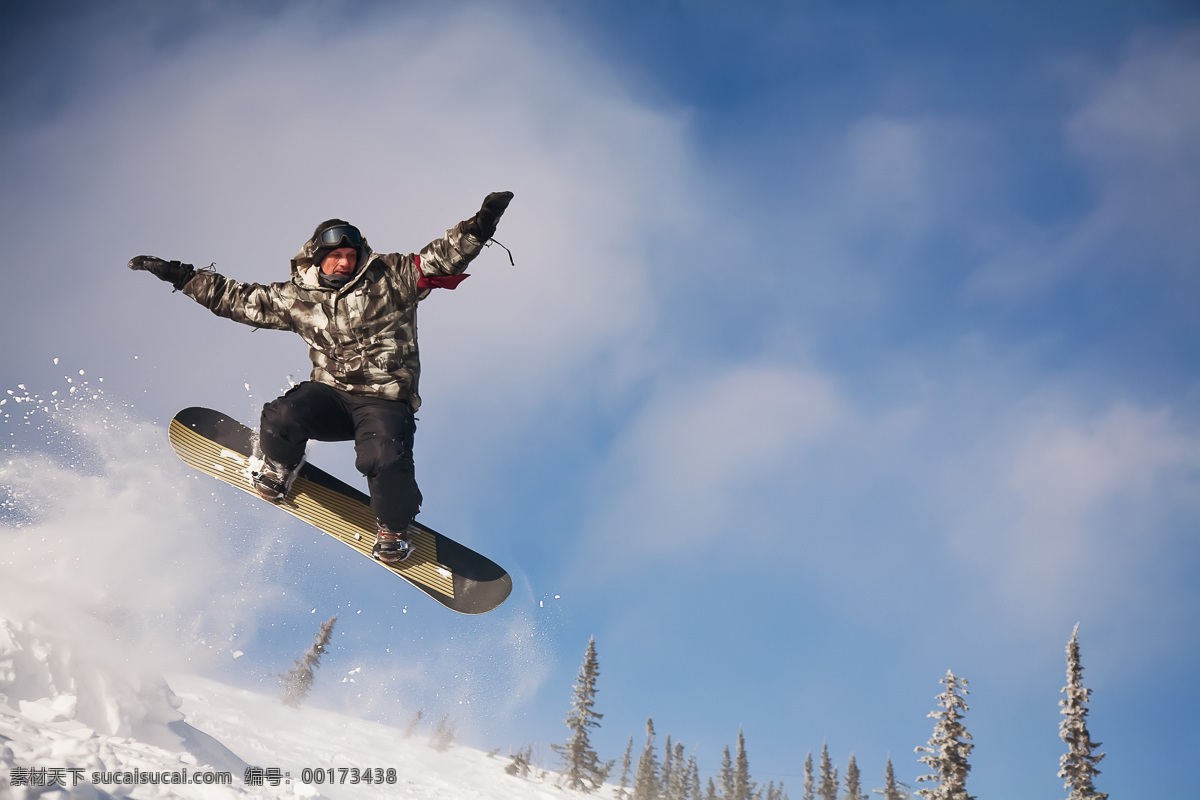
(265, 732)
(60, 711)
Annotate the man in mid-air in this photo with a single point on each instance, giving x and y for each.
(357, 309)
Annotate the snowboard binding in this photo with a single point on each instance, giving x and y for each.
(270, 480)
(392, 547)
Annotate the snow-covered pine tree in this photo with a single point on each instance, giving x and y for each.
(521, 762)
(676, 787)
(1080, 760)
(827, 789)
(711, 792)
(808, 778)
(299, 679)
(891, 789)
(853, 782)
(582, 768)
(743, 787)
(666, 773)
(950, 748)
(622, 791)
(728, 786)
(645, 783)
(693, 770)
(444, 734)
(414, 722)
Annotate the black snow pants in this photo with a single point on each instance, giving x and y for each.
(382, 431)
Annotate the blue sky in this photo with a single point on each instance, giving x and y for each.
(846, 345)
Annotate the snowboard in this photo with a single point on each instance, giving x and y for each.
(454, 575)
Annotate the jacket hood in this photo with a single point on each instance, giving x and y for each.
(305, 268)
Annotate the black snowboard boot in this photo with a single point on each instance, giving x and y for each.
(392, 547)
(272, 481)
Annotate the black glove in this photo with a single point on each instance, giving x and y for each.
(483, 224)
(172, 272)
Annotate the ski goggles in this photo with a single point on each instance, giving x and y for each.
(341, 233)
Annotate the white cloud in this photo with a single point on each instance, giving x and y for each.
(681, 475)
(888, 171)
(1150, 107)
(1141, 135)
(1065, 513)
(868, 202)
(1138, 136)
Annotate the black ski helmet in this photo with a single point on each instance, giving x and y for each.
(334, 233)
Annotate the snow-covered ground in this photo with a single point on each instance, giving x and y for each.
(69, 728)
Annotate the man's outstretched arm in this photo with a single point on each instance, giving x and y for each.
(247, 303)
(451, 254)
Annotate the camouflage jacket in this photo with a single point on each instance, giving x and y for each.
(363, 337)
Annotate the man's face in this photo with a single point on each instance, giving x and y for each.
(340, 262)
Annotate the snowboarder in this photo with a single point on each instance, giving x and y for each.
(357, 309)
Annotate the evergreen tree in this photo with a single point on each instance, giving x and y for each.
(521, 761)
(853, 782)
(645, 783)
(827, 789)
(676, 787)
(299, 679)
(414, 722)
(444, 734)
(582, 769)
(693, 791)
(743, 788)
(891, 789)
(728, 784)
(667, 774)
(808, 778)
(1079, 762)
(950, 748)
(622, 792)
(711, 792)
